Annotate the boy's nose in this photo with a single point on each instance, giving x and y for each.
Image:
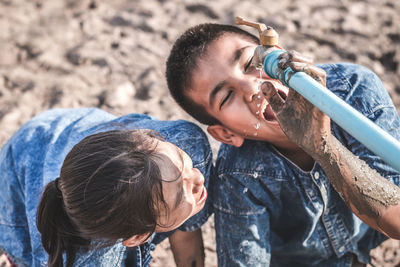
(250, 92)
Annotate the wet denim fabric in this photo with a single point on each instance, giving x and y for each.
(269, 212)
(33, 157)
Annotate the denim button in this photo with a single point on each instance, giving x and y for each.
(152, 247)
(316, 175)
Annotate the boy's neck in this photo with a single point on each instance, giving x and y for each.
(297, 156)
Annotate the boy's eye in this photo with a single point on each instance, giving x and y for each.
(225, 99)
(248, 65)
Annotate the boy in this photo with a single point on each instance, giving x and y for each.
(290, 182)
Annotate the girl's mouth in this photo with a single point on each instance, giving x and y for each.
(203, 195)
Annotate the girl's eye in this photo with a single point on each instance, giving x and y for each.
(225, 99)
(248, 65)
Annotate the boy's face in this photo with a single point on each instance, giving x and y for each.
(227, 86)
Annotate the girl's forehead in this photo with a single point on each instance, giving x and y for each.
(170, 161)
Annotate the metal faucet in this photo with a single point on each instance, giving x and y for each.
(268, 40)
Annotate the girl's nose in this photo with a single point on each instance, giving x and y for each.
(198, 181)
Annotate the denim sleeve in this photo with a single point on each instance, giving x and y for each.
(14, 229)
(367, 94)
(242, 225)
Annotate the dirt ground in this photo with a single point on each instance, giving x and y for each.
(111, 55)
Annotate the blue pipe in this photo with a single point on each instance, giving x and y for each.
(351, 120)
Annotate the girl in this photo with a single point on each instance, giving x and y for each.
(122, 188)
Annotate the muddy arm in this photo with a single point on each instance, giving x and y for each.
(371, 197)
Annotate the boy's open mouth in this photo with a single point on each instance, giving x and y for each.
(268, 113)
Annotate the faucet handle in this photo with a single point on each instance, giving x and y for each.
(268, 36)
(259, 26)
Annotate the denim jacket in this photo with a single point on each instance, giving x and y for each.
(269, 212)
(34, 156)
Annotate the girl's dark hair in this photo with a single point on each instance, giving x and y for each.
(182, 60)
(109, 189)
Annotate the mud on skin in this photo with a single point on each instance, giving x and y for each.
(368, 193)
(308, 127)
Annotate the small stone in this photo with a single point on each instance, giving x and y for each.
(121, 96)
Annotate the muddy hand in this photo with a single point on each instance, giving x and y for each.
(302, 122)
(298, 62)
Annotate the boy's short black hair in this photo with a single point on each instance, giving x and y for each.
(188, 48)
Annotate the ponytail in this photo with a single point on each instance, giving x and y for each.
(58, 233)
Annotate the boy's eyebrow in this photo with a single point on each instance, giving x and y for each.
(236, 56)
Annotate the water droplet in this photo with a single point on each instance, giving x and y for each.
(261, 71)
(257, 125)
(259, 97)
(255, 133)
(257, 112)
(258, 105)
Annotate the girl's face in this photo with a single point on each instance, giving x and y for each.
(183, 187)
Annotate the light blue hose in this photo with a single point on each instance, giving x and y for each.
(360, 127)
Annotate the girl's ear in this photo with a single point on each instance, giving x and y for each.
(136, 240)
(224, 135)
